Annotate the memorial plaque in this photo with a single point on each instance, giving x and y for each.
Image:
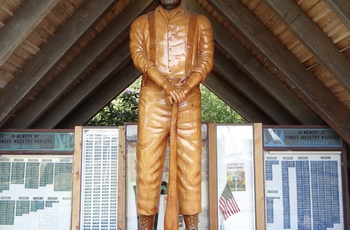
(302, 138)
(35, 192)
(99, 182)
(37, 141)
(303, 190)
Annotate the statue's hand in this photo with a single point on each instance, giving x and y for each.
(177, 95)
(186, 88)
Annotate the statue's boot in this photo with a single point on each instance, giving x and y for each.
(191, 222)
(146, 222)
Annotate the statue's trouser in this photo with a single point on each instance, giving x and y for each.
(153, 132)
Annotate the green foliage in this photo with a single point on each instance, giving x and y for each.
(214, 110)
(124, 108)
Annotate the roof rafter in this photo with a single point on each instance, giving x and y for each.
(19, 26)
(12, 97)
(252, 91)
(78, 95)
(302, 82)
(314, 39)
(341, 8)
(265, 78)
(93, 105)
(238, 102)
(52, 92)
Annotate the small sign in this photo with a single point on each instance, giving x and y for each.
(302, 137)
(37, 141)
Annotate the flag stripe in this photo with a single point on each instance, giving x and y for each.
(227, 203)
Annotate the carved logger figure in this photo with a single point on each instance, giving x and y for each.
(173, 49)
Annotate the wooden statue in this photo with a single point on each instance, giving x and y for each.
(173, 49)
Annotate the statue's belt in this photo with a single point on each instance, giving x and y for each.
(177, 82)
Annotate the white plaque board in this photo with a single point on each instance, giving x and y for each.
(35, 192)
(99, 182)
(235, 165)
(303, 190)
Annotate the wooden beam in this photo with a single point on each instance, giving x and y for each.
(61, 83)
(77, 174)
(253, 92)
(62, 108)
(341, 8)
(91, 106)
(300, 81)
(213, 176)
(21, 24)
(13, 95)
(238, 102)
(259, 72)
(259, 177)
(313, 37)
(122, 213)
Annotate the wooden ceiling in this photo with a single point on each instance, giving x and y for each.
(276, 62)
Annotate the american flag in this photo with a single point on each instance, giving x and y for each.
(227, 203)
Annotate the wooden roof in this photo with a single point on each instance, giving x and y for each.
(276, 62)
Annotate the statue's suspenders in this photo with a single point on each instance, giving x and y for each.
(190, 39)
(152, 35)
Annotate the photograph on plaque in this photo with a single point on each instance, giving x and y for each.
(236, 176)
(131, 212)
(235, 168)
(303, 190)
(35, 192)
